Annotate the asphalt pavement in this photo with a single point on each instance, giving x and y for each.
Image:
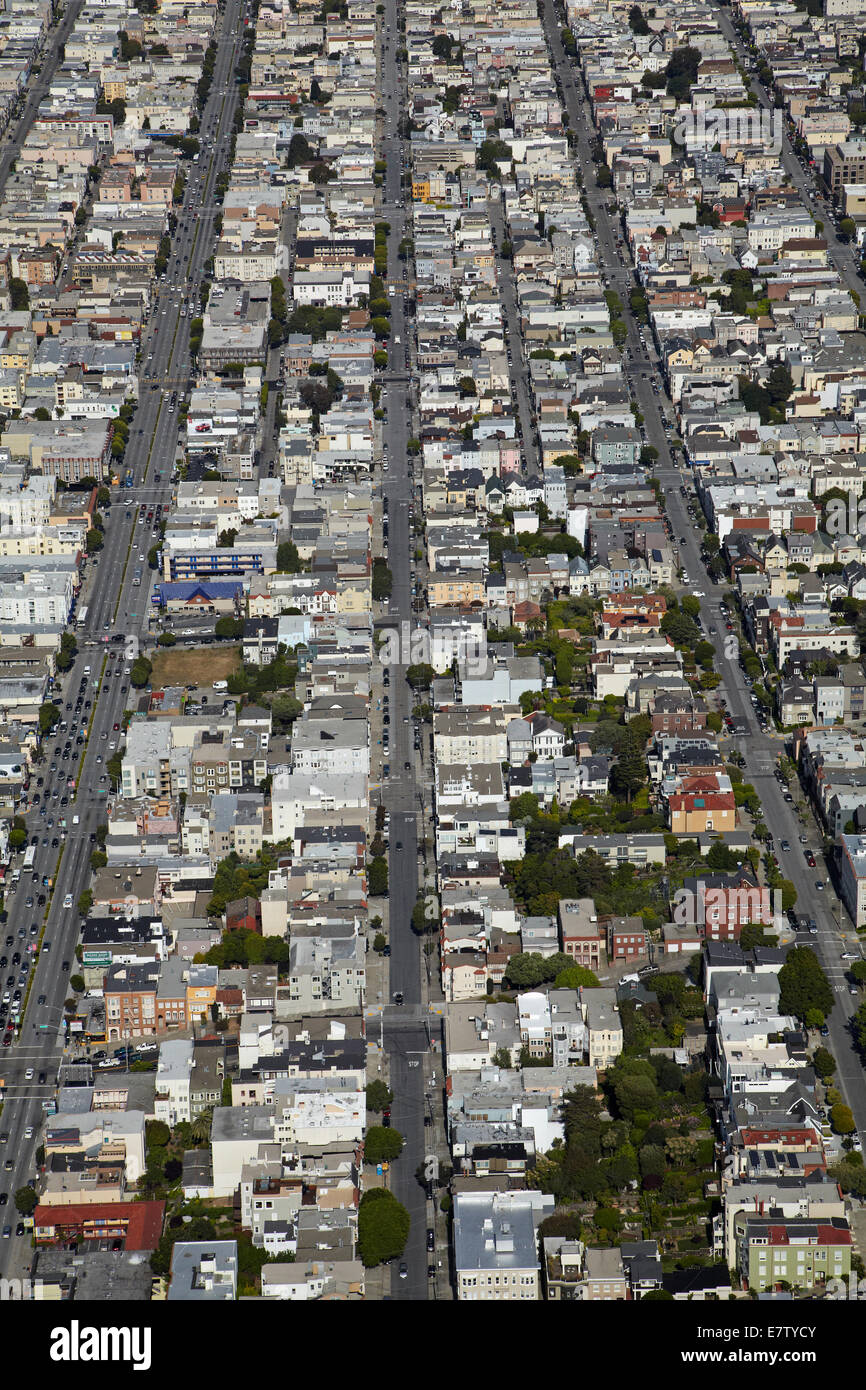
(402, 792)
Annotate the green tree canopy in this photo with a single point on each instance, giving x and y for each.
(383, 1227)
(804, 986)
(26, 1201)
(382, 1145)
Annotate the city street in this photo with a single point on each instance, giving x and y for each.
(760, 750)
(114, 604)
(405, 1040)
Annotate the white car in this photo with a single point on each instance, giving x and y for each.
(28, 1133)
(67, 901)
(28, 1075)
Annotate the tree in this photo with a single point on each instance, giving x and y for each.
(299, 151)
(201, 1125)
(382, 1145)
(49, 714)
(490, 152)
(525, 970)
(847, 228)
(824, 1063)
(842, 1119)
(288, 560)
(682, 71)
(780, 384)
(157, 1134)
(140, 672)
(377, 877)
(789, 895)
(19, 294)
(420, 676)
(634, 1087)
(629, 773)
(383, 580)
(383, 1227)
(379, 1097)
(576, 977)
(94, 541)
(803, 985)
(76, 982)
(26, 1201)
(227, 626)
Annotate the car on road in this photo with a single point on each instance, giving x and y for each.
(28, 1075)
(404, 1270)
(819, 885)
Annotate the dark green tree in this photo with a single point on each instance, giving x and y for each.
(383, 1227)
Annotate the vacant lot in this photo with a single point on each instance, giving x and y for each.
(193, 665)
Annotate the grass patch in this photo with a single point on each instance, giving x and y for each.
(193, 666)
